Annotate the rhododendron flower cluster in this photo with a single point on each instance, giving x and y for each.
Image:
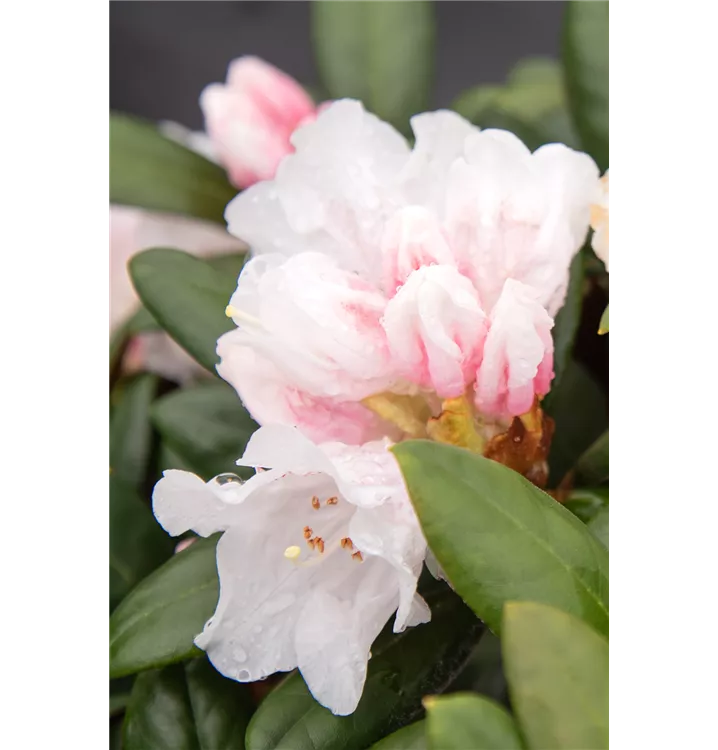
(434, 272)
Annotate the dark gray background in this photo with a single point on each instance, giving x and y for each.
(162, 54)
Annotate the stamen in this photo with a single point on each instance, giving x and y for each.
(320, 544)
(307, 532)
(311, 543)
(292, 553)
(315, 503)
(229, 311)
(332, 501)
(357, 556)
(346, 542)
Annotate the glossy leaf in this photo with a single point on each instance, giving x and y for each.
(206, 425)
(532, 104)
(587, 503)
(580, 410)
(465, 720)
(603, 324)
(380, 53)
(557, 668)
(151, 171)
(131, 430)
(498, 537)
(187, 297)
(137, 543)
(404, 667)
(483, 672)
(592, 467)
(412, 737)
(585, 58)
(156, 623)
(186, 707)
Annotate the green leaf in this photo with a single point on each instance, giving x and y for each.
(151, 171)
(599, 526)
(532, 104)
(558, 677)
(156, 623)
(585, 58)
(483, 672)
(567, 319)
(412, 737)
(592, 467)
(379, 53)
(498, 537)
(137, 544)
(131, 430)
(585, 504)
(404, 667)
(207, 425)
(465, 720)
(580, 410)
(187, 297)
(186, 707)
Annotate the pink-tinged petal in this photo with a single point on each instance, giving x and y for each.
(412, 239)
(436, 329)
(250, 118)
(518, 354)
(513, 214)
(277, 93)
(271, 397)
(599, 220)
(316, 322)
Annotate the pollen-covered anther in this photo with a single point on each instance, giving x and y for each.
(357, 556)
(332, 500)
(315, 503)
(320, 544)
(312, 543)
(307, 532)
(346, 543)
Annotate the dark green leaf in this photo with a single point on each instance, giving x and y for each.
(587, 503)
(483, 672)
(207, 425)
(187, 707)
(585, 57)
(116, 733)
(404, 667)
(156, 623)
(465, 721)
(567, 319)
(558, 677)
(153, 172)
(412, 737)
(379, 53)
(137, 543)
(169, 458)
(532, 104)
(131, 431)
(498, 537)
(228, 264)
(599, 526)
(187, 297)
(592, 467)
(580, 409)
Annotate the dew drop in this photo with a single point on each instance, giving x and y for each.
(243, 675)
(223, 479)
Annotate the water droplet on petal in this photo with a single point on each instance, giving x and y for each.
(223, 479)
(243, 675)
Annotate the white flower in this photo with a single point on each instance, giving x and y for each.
(317, 553)
(599, 220)
(380, 269)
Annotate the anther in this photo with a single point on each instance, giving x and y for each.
(315, 502)
(320, 544)
(346, 542)
(311, 543)
(332, 501)
(357, 556)
(307, 532)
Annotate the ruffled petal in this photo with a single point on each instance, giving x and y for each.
(436, 328)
